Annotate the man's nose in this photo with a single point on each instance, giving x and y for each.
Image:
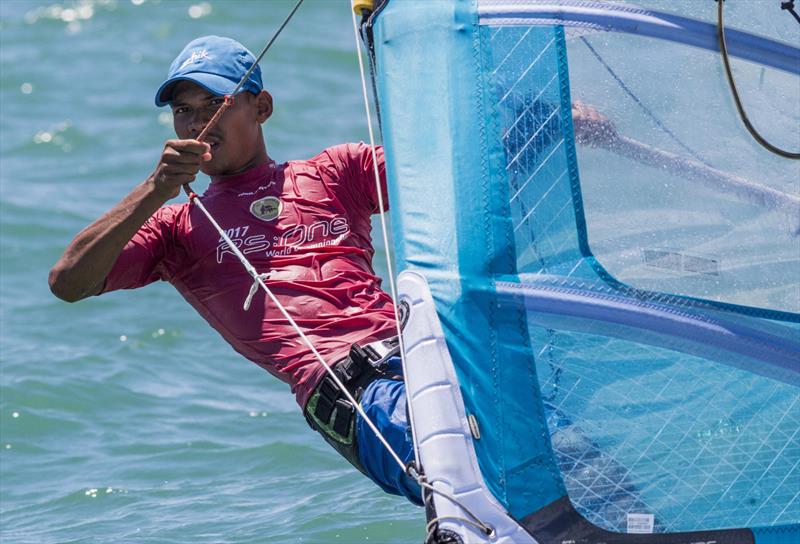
(199, 120)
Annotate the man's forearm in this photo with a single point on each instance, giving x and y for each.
(87, 261)
(84, 266)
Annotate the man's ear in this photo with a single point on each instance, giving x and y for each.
(263, 106)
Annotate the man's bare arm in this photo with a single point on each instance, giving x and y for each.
(592, 127)
(82, 269)
(596, 130)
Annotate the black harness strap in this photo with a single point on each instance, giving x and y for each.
(330, 412)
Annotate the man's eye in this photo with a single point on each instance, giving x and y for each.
(217, 101)
(180, 110)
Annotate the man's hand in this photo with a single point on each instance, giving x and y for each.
(591, 127)
(180, 161)
(82, 269)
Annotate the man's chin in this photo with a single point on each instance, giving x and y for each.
(211, 169)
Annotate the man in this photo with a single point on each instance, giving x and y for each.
(305, 223)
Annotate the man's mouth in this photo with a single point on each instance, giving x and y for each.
(214, 142)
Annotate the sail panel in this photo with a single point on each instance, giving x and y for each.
(683, 201)
(620, 309)
(452, 224)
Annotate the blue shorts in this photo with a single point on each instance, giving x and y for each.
(384, 401)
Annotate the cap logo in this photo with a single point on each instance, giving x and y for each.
(197, 56)
(267, 208)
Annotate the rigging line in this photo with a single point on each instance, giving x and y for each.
(366, 35)
(229, 97)
(410, 469)
(723, 49)
(474, 520)
(641, 104)
(269, 44)
(384, 229)
(258, 278)
(432, 527)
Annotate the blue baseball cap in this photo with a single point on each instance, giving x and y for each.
(216, 64)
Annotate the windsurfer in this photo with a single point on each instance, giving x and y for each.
(306, 222)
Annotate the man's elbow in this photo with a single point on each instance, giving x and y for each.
(59, 285)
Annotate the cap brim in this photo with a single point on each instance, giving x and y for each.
(216, 85)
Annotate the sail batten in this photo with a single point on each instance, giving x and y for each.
(605, 16)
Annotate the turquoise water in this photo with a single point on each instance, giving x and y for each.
(125, 418)
(119, 423)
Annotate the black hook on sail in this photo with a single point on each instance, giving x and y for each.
(368, 10)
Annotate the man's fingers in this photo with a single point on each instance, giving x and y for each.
(187, 152)
(180, 162)
(178, 178)
(171, 156)
(189, 146)
(192, 146)
(180, 169)
(589, 116)
(595, 116)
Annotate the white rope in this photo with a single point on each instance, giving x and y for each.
(485, 528)
(384, 229)
(253, 289)
(432, 526)
(258, 279)
(473, 520)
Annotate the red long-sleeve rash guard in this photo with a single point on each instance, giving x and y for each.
(307, 224)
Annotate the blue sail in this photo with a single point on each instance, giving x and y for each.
(604, 340)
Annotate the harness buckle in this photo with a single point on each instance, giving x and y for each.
(328, 395)
(345, 412)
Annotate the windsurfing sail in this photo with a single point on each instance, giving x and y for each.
(605, 316)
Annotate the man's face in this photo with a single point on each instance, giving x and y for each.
(236, 139)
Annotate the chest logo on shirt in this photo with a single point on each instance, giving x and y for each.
(267, 208)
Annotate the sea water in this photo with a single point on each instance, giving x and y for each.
(126, 418)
